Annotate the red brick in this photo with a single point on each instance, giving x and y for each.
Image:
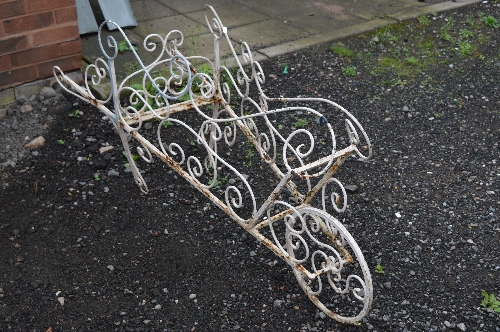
(28, 22)
(12, 8)
(66, 15)
(66, 64)
(5, 63)
(1, 29)
(34, 55)
(56, 35)
(17, 76)
(42, 5)
(71, 47)
(13, 44)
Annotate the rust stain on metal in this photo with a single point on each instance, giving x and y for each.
(320, 162)
(335, 240)
(273, 248)
(180, 107)
(92, 100)
(274, 218)
(340, 160)
(315, 190)
(273, 197)
(285, 256)
(303, 270)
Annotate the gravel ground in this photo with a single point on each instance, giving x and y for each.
(83, 249)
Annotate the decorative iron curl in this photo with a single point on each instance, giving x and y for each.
(59, 74)
(207, 86)
(334, 197)
(297, 150)
(215, 23)
(140, 151)
(172, 47)
(290, 222)
(194, 165)
(230, 133)
(111, 42)
(100, 74)
(231, 202)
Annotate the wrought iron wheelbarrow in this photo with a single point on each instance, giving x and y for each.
(220, 107)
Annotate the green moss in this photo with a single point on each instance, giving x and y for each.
(340, 49)
(408, 67)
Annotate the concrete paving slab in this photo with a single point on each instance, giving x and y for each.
(149, 10)
(369, 10)
(186, 6)
(330, 37)
(266, 33)
(320, 22)
(203, 45)
(438, 8)
(231, 15)
(278, 9)
(7, 97)
(231, 62)
(414, 3)
(162, 26)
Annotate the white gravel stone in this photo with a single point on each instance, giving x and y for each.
(48, 92)
(26, 108)
(36, 143)
(105, 149)
(112, 172)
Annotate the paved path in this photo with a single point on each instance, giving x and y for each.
(270, 27)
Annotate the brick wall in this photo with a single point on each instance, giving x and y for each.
(36, 35)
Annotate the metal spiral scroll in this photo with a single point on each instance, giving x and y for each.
(321, 244)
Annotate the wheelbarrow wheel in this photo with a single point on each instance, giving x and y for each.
(339, 282)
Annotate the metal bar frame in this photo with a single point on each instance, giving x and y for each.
(166, 97)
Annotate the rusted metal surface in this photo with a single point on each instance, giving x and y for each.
(163, 111)
(334, 240)
(315, 244)
(339, 160)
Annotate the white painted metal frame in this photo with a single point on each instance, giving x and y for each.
(316, 245)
